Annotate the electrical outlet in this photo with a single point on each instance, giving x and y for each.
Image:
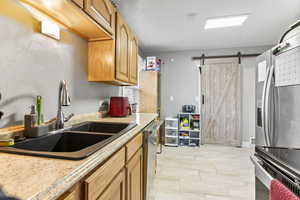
(171, 98)
(252, 140)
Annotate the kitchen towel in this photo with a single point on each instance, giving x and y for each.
(279, 192)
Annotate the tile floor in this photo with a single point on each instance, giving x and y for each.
(210, 172)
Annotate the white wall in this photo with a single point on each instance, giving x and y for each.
(180, 79)
(32, 64)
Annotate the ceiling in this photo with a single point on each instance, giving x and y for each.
(171, 25)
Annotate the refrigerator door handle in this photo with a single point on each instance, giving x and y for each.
(267, 106)
(263, 113)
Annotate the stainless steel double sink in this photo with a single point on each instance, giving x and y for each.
(75, 143)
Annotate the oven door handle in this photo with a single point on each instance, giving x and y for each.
(261, 173)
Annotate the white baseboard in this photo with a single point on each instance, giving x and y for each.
(247, 144)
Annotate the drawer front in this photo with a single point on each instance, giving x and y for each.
(133, 146)
(102, 177)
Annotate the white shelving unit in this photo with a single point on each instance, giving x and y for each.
(189, 133)
(171, 132)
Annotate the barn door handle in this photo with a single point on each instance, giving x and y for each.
(203, 99)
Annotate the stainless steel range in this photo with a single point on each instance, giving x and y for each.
(277, 152)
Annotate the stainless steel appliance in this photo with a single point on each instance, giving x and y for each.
(188, 108)
(278, 163)
(277, 138)
(150, 148)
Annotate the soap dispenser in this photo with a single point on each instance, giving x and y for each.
(30, 119)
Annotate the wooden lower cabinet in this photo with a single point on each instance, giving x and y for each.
(117, 189)
(133, 146)
(119, 178)
(101, 178)
(134, 171)
(73, 194)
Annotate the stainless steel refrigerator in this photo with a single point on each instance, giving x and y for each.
(278, 95)
(277, 136)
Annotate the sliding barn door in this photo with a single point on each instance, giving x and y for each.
(221, 102)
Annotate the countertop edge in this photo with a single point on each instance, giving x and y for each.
(62, 185)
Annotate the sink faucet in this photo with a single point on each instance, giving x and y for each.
(63, 100)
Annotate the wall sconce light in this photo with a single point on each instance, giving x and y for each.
(50, 29)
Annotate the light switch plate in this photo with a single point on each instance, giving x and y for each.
(171, 98)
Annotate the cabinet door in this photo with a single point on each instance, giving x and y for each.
(133, 59)
(122, 50)
(116, 190)
(135, 177)
(103, 12)
(96, 183)
(148, 92)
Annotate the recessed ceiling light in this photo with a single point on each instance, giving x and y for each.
(228, 21)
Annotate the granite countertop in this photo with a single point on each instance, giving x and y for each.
(37, 178)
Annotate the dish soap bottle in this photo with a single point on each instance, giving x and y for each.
(40, 117)
(30, 119)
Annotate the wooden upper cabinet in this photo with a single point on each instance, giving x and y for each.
(79, 3)
(70, 14)
(122, 50)
(103, 11)
(117, 189)
(133, 64)
(101, 61)
(135, 177)
(114, 61)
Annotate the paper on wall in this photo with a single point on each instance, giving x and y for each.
(262, 70)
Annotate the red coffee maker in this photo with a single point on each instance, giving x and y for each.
(119, 107)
